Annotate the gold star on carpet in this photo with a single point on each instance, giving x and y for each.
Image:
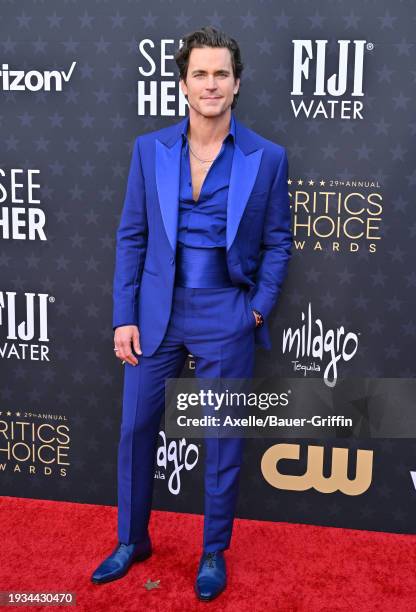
(149, 584)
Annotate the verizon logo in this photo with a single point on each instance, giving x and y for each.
(34, 80)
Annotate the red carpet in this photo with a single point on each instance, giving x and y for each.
(280, 567)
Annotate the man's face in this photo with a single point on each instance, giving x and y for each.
(210, 84)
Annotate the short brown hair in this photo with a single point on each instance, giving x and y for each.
(209, 37)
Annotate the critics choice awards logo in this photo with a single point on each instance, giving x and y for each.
(32, 447)
(340, 216)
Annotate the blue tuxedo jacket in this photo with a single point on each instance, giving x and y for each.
(258, 232)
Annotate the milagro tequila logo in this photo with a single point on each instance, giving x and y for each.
(33, 80)
(310, 66)
(311, 341)
(21, 337)
(179, 455)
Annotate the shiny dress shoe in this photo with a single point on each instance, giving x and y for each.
(123, 556)
(212, 577)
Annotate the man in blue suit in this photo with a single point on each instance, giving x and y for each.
(202, 251)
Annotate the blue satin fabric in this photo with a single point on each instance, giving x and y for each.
(203, 223)
(201, 268)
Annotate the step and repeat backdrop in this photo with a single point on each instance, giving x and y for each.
(335, 85)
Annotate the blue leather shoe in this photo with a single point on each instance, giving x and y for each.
(119, 562)
(212, 576)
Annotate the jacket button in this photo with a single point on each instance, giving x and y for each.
(172, 261)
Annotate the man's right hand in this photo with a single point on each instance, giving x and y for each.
(124, 337)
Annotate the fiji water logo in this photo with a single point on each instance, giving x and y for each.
(310, 341)
(24, 325)
(34, 325)
(334, 84)
(34, 80)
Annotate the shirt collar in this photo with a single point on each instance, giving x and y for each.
(231, 131)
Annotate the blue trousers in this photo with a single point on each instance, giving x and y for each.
(217, 327)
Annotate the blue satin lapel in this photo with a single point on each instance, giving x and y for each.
(244, 171)
(167, 182)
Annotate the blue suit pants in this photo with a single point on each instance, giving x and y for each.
(217, 327)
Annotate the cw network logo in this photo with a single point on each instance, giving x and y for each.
(314, 477)
(33, 80)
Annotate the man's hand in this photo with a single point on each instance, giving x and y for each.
(124, 337)
(258, 319)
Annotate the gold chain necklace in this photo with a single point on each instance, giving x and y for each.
(202, 161)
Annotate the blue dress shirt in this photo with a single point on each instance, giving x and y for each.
(203, 223)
